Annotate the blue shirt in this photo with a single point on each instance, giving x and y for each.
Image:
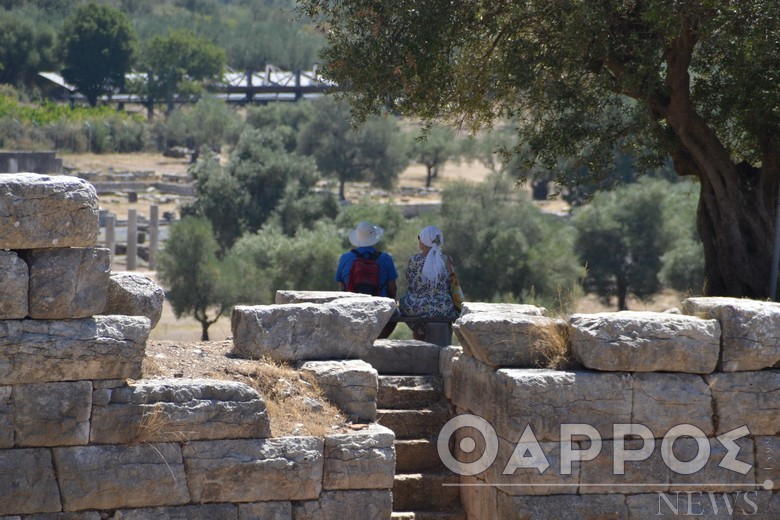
(387, 272)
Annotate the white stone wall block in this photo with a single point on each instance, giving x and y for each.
(351, 385)
(360, 460)
(15, 281)
(38, 211)
(52, 414)
(134, 294)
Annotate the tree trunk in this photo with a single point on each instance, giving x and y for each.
(622, 292)
(342, 192)
(428, 176)
(204, 330)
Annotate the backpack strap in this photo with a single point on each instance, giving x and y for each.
(373, 255)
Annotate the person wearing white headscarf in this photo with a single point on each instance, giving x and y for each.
(428, 276)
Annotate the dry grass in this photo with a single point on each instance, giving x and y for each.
(156, 426)
(553, 346)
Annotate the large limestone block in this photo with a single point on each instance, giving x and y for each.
(288, 468)
(280, 510)
(705, 503)
(473, 388)
(68, 283)
(749, 399)
(15, 281)
(510, 340)
(6, 417)
(134, 294)
(113, 477)
(307, 331)
(402, 356)
(645, 342)
(102, 347)
(509, 309)
(719, 471)
(564, 507)
(447, 357)
(352, 385)
(662, 401)
(283, 297)
(339, 505)
(750, 336)
(175, 410)
(28, 483)
(547, 399)
(38, 211)
(194, 512)
(361, 460)
(52, 414)
(767, 460)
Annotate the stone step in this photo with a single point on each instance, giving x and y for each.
(429, 515)
(406, 392)
(426, 492)
(410, 357)
(416, 456)
(414, 424)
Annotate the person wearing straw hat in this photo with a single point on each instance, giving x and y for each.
(428, 274)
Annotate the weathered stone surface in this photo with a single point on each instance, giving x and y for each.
(176, 410)
(265, 511)
(361, 460)
(528, 481)
(645, 342)
(288, 468)
(617, 472)
(395, 356)
(284, 297)
(6, 417)
(472, 385)
(52, 414)
(447, 357)
(767, 460)
(510, 339)
(546, 399)
(403, 392)
(134, 294)
(749, 399)
(307, 331)
(716, 478)
(508, 309)
(38, 211)
(563, 507)
(414, 424)
(68, 283)
(351, 385)
(703, 503)
(15, 281)
(101, 347)
(750, 336)
(197, 512)
(114, 477)
(27, 482)
(432, 491)
(662, 401)
(338, 505)
(417, 455)
(478, 499)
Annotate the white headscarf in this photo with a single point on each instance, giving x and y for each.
(434, 264)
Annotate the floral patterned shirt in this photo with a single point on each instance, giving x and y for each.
(426, 299)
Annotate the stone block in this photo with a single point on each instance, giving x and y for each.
(414, 424)
(393, 356)
(38, 211)
(473, 388)
(288, 468)
(510, 340)
(193, 512)
(563, 507)
(546, 399)
(338, 505)
(175, 410)
(478, 498)
(645, 342)
(115, 477)
(714, 474)
(134, 294)
(361, 460)
(749, 330)
(416, 455)
(351, 385)
(446, 358)
(101, 347)
(508, 309)
(767, 460)
(306, 331)
(265, 511)
(662, 401)
(68, 283)
(52, 414)
(649, 475)
(749, 399)
(6, 417)
(403, 392)
(430, 491)
(284, 297)
(703, 503)
(15, 281)
(28, 483)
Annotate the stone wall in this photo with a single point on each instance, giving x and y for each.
(83, 437)
(38, 162)
(657, 415)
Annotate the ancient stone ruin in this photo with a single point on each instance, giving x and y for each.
(630, 415)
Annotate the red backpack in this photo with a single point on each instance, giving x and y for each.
(364, 274)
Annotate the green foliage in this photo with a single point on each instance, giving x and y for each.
(189, 268)
(372, 153)
(433, 148)
(209, 122)
(284, 119)
(504, 248)
(99, 45)
(25, 49)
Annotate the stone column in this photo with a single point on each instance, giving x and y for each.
(154, 229)
(111, 236)
(132, 238)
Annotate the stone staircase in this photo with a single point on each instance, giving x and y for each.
(411, 402)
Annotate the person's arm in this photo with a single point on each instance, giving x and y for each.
(392, 289)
